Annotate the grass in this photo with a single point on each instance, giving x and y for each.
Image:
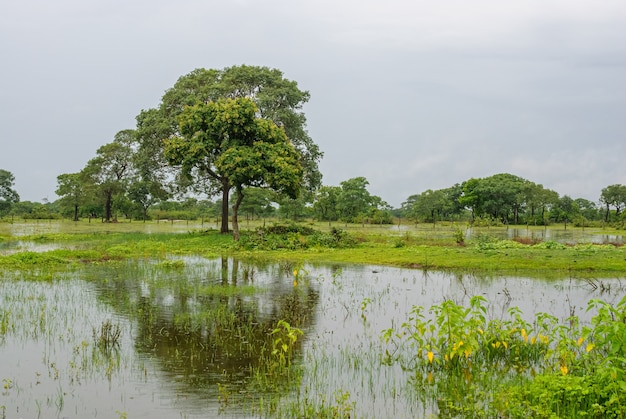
(198, 315)
(415, 247)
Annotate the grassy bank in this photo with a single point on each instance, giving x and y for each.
(421, 247)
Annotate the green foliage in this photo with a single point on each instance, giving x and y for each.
(550, 244)
(107, 336)
(22, 260)
(294, 236)
(278, 101)
(226, 142)
(459, 236)
(485, 242)
(119, 251)
(5, 322)
(354, 204)
(172, 264)
(8, 196)
(285, 338)
(613, 196)
(341, 408)
(512, 368)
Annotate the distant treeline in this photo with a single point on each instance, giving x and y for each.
(498, 199)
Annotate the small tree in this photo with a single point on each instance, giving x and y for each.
(565, 210)
(107, 174)
(325, 205)
(354, 199)
(613, 196)
(71, 190)
(8, 196)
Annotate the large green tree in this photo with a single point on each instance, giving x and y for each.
(227, 142)
(277, 99)
(8, 195)
(500, 197)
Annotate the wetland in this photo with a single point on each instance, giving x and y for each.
(110, 322)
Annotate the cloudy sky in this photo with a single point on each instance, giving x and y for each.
(410, 94)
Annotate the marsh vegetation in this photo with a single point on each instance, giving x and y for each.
(132, 324)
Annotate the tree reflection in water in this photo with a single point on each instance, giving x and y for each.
(208, 322)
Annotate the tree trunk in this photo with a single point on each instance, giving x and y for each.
(108, 205)
(225, 192)
(75, 212)
(235, 210)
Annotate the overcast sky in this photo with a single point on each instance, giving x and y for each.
(412, 95)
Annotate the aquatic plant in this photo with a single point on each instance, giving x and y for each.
(107, 336)
(513, 368)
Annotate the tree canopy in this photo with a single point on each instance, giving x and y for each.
(277, 99)
(8, 195)
(226, 141)
(106, 175)
(613, 196)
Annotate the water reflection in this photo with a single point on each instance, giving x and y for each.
(195, 331)
(9, 248)
(201, 324)
(563, 236)
(554, 233)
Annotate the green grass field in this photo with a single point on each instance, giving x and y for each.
(441, 247)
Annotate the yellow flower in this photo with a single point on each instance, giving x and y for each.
(564, 369)
(480, 331)
(295, 272)
(533, 340)
(580, 341)
(589, 347)
(430, 356)
(295, 283)
(506, 345)
(524, 335)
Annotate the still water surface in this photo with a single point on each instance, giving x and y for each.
(188, 351)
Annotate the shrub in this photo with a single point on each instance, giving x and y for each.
(295, 237)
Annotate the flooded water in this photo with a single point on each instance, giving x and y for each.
(7, 248)
(193, 333)
(555, 233)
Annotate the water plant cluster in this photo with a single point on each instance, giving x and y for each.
(468, 366)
